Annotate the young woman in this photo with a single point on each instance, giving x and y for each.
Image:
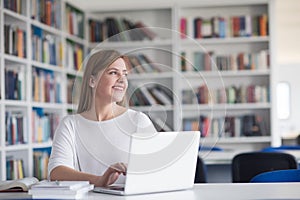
(93, 144)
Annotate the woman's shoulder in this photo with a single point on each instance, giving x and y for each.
(70, 120)
(136, 113)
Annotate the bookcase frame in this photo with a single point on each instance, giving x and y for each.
(166, 16)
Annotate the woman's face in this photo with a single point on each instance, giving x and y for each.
(113, 82)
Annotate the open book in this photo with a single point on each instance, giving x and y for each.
(18, 185)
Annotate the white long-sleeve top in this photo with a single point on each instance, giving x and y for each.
(92, 146)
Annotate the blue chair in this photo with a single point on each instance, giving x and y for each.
(245, 166)
(288, 175)
(210, 148)
(281, 148)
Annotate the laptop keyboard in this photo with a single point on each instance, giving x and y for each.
(115, 187)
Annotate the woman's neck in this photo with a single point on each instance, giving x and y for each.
(104, 112)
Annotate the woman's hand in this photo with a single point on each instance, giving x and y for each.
(112, 174)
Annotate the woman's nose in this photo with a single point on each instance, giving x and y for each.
(122, 77)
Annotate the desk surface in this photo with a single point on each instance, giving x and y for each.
(207, 191)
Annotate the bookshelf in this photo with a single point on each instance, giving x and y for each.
(227, 48)
(36, 61)
(66, 33)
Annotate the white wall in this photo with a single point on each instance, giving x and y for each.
(287, 62)
(288, 31)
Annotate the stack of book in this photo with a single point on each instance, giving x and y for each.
(60, 189)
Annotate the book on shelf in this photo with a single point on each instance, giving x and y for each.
(60, 189)
(44, 124)
(46, 86)
(150, 99)
(15, 6)
(221, 26)
(160, 94)
(45, 47)
(160, 125)
(18, 185)
(46, 12)
(117, 29)
(151, 94)
(233, 94)
(14, 40)
(74, 55)
(14, 168)
(141, 63)
(15, 82)
(228, 126)
(40, 161)
(15, 131)
(205, 61)
(74, 21)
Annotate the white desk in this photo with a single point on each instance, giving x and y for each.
(227, 191)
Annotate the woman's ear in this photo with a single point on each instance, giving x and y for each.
(92, 82)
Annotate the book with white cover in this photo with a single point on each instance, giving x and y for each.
(60, 185)
(63, 192)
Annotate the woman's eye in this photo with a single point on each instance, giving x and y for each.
(113, 72)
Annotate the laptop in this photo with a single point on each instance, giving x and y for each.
(159, 162)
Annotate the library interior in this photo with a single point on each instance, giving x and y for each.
(226, 68)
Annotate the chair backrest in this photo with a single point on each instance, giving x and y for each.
(247, 165)
(201, 172)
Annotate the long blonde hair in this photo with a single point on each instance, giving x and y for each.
(96, 63)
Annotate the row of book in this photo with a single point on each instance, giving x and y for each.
(40, 164)
(228, 95)
(43, 125)
(141, 63)
(205, 61)
(46, 86)
(15, 132)
(152, 94)
(47, 12)
(228, 126)
(74, 21)
(15, 40)
(222, 27)
(46, 48)
(14, 168)
(15, 82)
(117, 29)
(18, 6)
(74, 56)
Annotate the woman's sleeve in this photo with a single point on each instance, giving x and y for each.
(144, 124)
(63, 147)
